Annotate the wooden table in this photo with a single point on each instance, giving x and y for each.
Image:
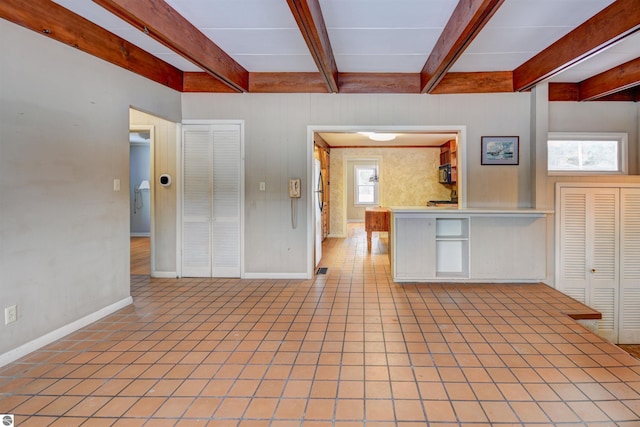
(375, 219)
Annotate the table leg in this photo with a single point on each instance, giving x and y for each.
(369, 241)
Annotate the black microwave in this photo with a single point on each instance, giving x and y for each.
(444, 174)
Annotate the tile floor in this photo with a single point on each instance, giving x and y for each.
(349, 348)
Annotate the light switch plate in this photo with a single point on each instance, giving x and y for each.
(116, 184)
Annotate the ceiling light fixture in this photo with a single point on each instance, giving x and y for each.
(379, 136)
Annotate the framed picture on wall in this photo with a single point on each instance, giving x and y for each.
(500, 150)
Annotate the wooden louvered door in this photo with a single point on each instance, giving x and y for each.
(629, 266)
(589, 251)
(211, 200)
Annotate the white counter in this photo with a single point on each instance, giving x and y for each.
(467, 245)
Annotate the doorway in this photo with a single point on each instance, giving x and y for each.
(437, 134)
(140, 198)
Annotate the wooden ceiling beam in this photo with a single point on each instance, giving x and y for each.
(379, 83)
(480, 82)
(617, 21)
(468, 18)
(308, 15)
(287, 83)
(564, 91)
(161, 22)
(56, 22)
(204, 82)
(611, 81)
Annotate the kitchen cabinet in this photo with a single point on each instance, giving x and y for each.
(467, 245)
(448, 171)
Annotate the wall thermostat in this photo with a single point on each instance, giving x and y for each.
(165, 179)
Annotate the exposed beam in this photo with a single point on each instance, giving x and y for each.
(609, 26)
(481, 82)
(468, 18)
(308, 15)
(629, 95)
(564, 91)
(164, 24)
(379, 83)
(204, 82)
(287, 83)
(56, 22)
(611, 81)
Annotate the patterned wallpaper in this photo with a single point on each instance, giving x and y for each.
(408, 177)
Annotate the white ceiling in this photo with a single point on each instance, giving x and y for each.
(373, 35)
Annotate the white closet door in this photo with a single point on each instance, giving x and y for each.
(604, 256)
(629, 266)
(196, 201)
(226, 201)
(589, 251)
(573, 244)
(211, 200)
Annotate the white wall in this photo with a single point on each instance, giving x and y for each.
(276, 150)
(64, 138)
(596, 117)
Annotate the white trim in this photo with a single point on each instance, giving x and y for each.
(33, 345)
(280, 276)
(140, 234)
(164, 274)
(179, 200)
(461, 131)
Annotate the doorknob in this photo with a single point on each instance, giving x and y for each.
(593, 270)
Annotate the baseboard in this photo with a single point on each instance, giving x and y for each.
(140, 234)
(289, 276)
(164, 274)
(23, 350)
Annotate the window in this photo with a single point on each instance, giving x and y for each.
(366, 185)
(586, 153)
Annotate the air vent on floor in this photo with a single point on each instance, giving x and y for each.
(322, 270)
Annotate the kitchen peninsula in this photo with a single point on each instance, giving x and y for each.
(435, 244)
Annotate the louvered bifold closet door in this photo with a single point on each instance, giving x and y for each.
(604, 268)
(629, 266)
(226, 201)
(573, 244)
(197, 155)
(589, 251)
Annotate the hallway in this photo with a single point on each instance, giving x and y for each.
(348, 348)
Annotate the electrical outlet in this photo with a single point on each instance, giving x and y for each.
(10, 314)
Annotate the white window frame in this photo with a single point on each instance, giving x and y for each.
(356, 185)
(620, 137)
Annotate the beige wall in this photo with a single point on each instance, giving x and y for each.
(408, 177)
(276, 146)
(64, 138)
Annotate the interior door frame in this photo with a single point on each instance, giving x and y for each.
(152, 227)
(460, 130)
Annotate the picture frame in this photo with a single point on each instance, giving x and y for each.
(500, 150)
